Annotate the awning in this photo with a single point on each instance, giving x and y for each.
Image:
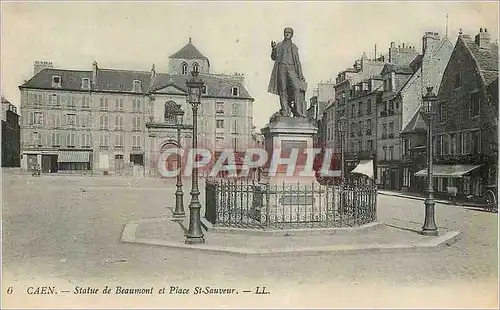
(450, 171)
(364, 167)
(73, 157)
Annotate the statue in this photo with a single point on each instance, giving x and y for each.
(287, 80)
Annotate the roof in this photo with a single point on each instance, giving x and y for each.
(188, 51)
(113, 80)
(486, 57)
(399, 69)
(417, 123)
(451, 171)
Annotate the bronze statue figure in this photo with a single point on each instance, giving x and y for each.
(287, 80)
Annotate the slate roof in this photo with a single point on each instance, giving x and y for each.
(121, 81)
(399, 69)
(188, 51)
(418, 123)
(486, 57)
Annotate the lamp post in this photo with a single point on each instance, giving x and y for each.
(195, 233)
(429, 228)
(179, 212)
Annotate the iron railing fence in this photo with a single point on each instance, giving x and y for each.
(246, 203)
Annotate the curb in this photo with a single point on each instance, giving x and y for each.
(446, 202)
(129, 236)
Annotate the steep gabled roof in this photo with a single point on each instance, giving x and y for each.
(70, 79)
(188, 51)
(398, 69)
(486, 58)
(418, 123)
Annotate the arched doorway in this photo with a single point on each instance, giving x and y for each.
(171, 162)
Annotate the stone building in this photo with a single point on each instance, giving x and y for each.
(428, 68)
(109, 121)
(11, 135)
(466, 121)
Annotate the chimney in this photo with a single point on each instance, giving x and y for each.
(40, 65)
(482, 38)
(94, 72)
(429, 41)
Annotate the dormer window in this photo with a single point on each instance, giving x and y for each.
(136, 86)
(184, 69)
(196, 67)
(56, 81)
(86, 83)
(235, 91)
(204, 90)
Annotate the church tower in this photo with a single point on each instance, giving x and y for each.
(187, 59)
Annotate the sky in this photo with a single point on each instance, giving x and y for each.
(235, 36)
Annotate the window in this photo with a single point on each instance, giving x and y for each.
(38, 118)
(439, 145)
(119, 122)
(360, 128)
(235, 143)
(119, 140)
(219, 142)
(136, 86)
(86, 83)
(86, 120)
(136, 141)
(220, 107)
(85, 102)
(204, 90)
(234, 129)
(103, 104)
(474, 104)
(368, 127)
(384, 131)
(85, 140)
(453, 141)
(70, 140)
(458, 80)
(385, 152)
(70, 120)
(103, 140)
(369, 145)
(406, 146)
(220, 124)
(446, 145)
(236, 109)
(136, 125)
(466, 185)
(103, 122)
(360, 109)
(119, 104)
(365, 86)
(36, 139)
(136, 105)
(184, 68)
(391, 152)
(353, 110)
(196, 67)
(56, 139)
(440, 112)
(70, 101)
(369, 107)
(391, 130)
(53, 100)
(476, 142)
(360, 146)
(235, 91)
(56, 81)
(406, 177)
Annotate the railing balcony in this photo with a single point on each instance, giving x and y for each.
(103, 147)
(136, 148)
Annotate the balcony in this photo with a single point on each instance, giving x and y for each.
(136, 148)
(119, 147)
(103, 147)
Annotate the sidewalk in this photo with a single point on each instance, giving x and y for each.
(389, 237)
(422, 197)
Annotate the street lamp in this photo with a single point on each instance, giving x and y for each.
(429, 228)
(195, 233)
(179, 212)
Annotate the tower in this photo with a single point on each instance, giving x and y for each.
(187, 59)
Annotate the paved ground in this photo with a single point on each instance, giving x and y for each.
(65, 231)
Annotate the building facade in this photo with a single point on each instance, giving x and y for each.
(111, 121)
(466, 120)
(11, 135)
